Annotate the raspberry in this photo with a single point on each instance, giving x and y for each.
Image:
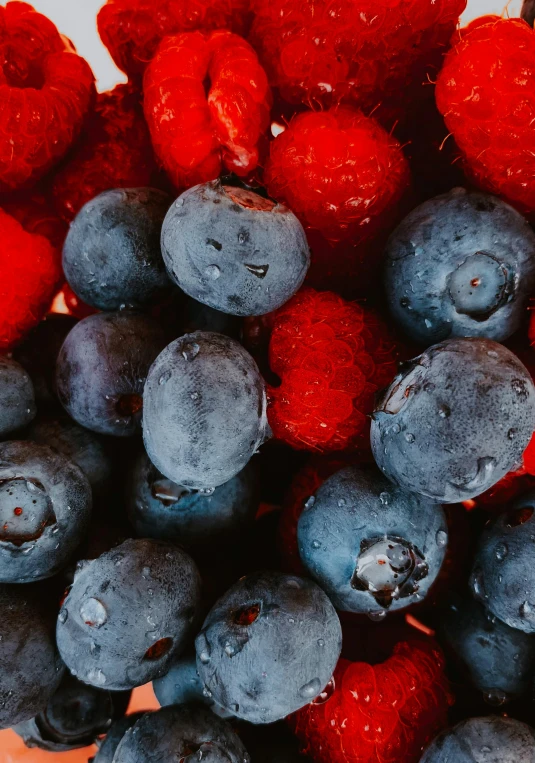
(332, 356)
(32, 274)
(359, 51)
(133, 29)
(46, 91)
(115, 151)
(386, 712)
(196, 134)
(485, 92)
(339, 172)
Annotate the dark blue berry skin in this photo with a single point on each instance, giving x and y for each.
(233, 250)
(182, 686)
(159, 508)
(462, 264)
(31, 667)
(17, 399)
(114, 736)
(186, 733)
(484, 740)
(45, 509)
(503, 573)
(372, 547)
(269, 646)
(528, 11)
(129, 614)
(499, 660)
(38, 354)
(75, 716)
(102, 367)
(84, 448)
(111, 256)
(271, 744)
(204, 410)
(455, 420)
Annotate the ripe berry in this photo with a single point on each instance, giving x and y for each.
(45, 508)
(114, 736)
(364, 52)
(114, 151)
(332, 356)
(17, 397)
(455, 420)
(207, 105)
(76, 716)
(461, 264)
(46, 90)
(204, 410)
(483, 740)
(34, 268)
(181, 733)
(382, 712)
(268, 646)
(132, 29)
(484, 93)
(384, 548)
(143, 593)
(339, 172)
(102, 367)
(112, 257)
(234, 250)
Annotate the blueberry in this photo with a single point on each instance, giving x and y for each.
(528, 11)
(484, 740)
(182, 686)
(269, 646)
(17, 398)
(371, 546)
(75, 716)
(195, 316)
(128, 614)
(84, 448)
(204, 410)
(272, 744)
(114, 736)
(112, 256)
(183, 733)
(38, 354)
(499, 660)
(462, 264)
(234, 250)
(503, 573)
(31, 666)
(455, 420)
(159, 508)
(45, 507)
(102, 368)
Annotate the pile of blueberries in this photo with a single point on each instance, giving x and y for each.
(125, 561)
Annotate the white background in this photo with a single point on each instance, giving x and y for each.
(76, 19)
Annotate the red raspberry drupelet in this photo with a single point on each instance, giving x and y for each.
(207, 104)
(133, 29)
(485, 93)
(115, 151)
(340, 172)
(386, 712)
(365, 52)
(46, 91)
(32, 274)
(332, 356)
